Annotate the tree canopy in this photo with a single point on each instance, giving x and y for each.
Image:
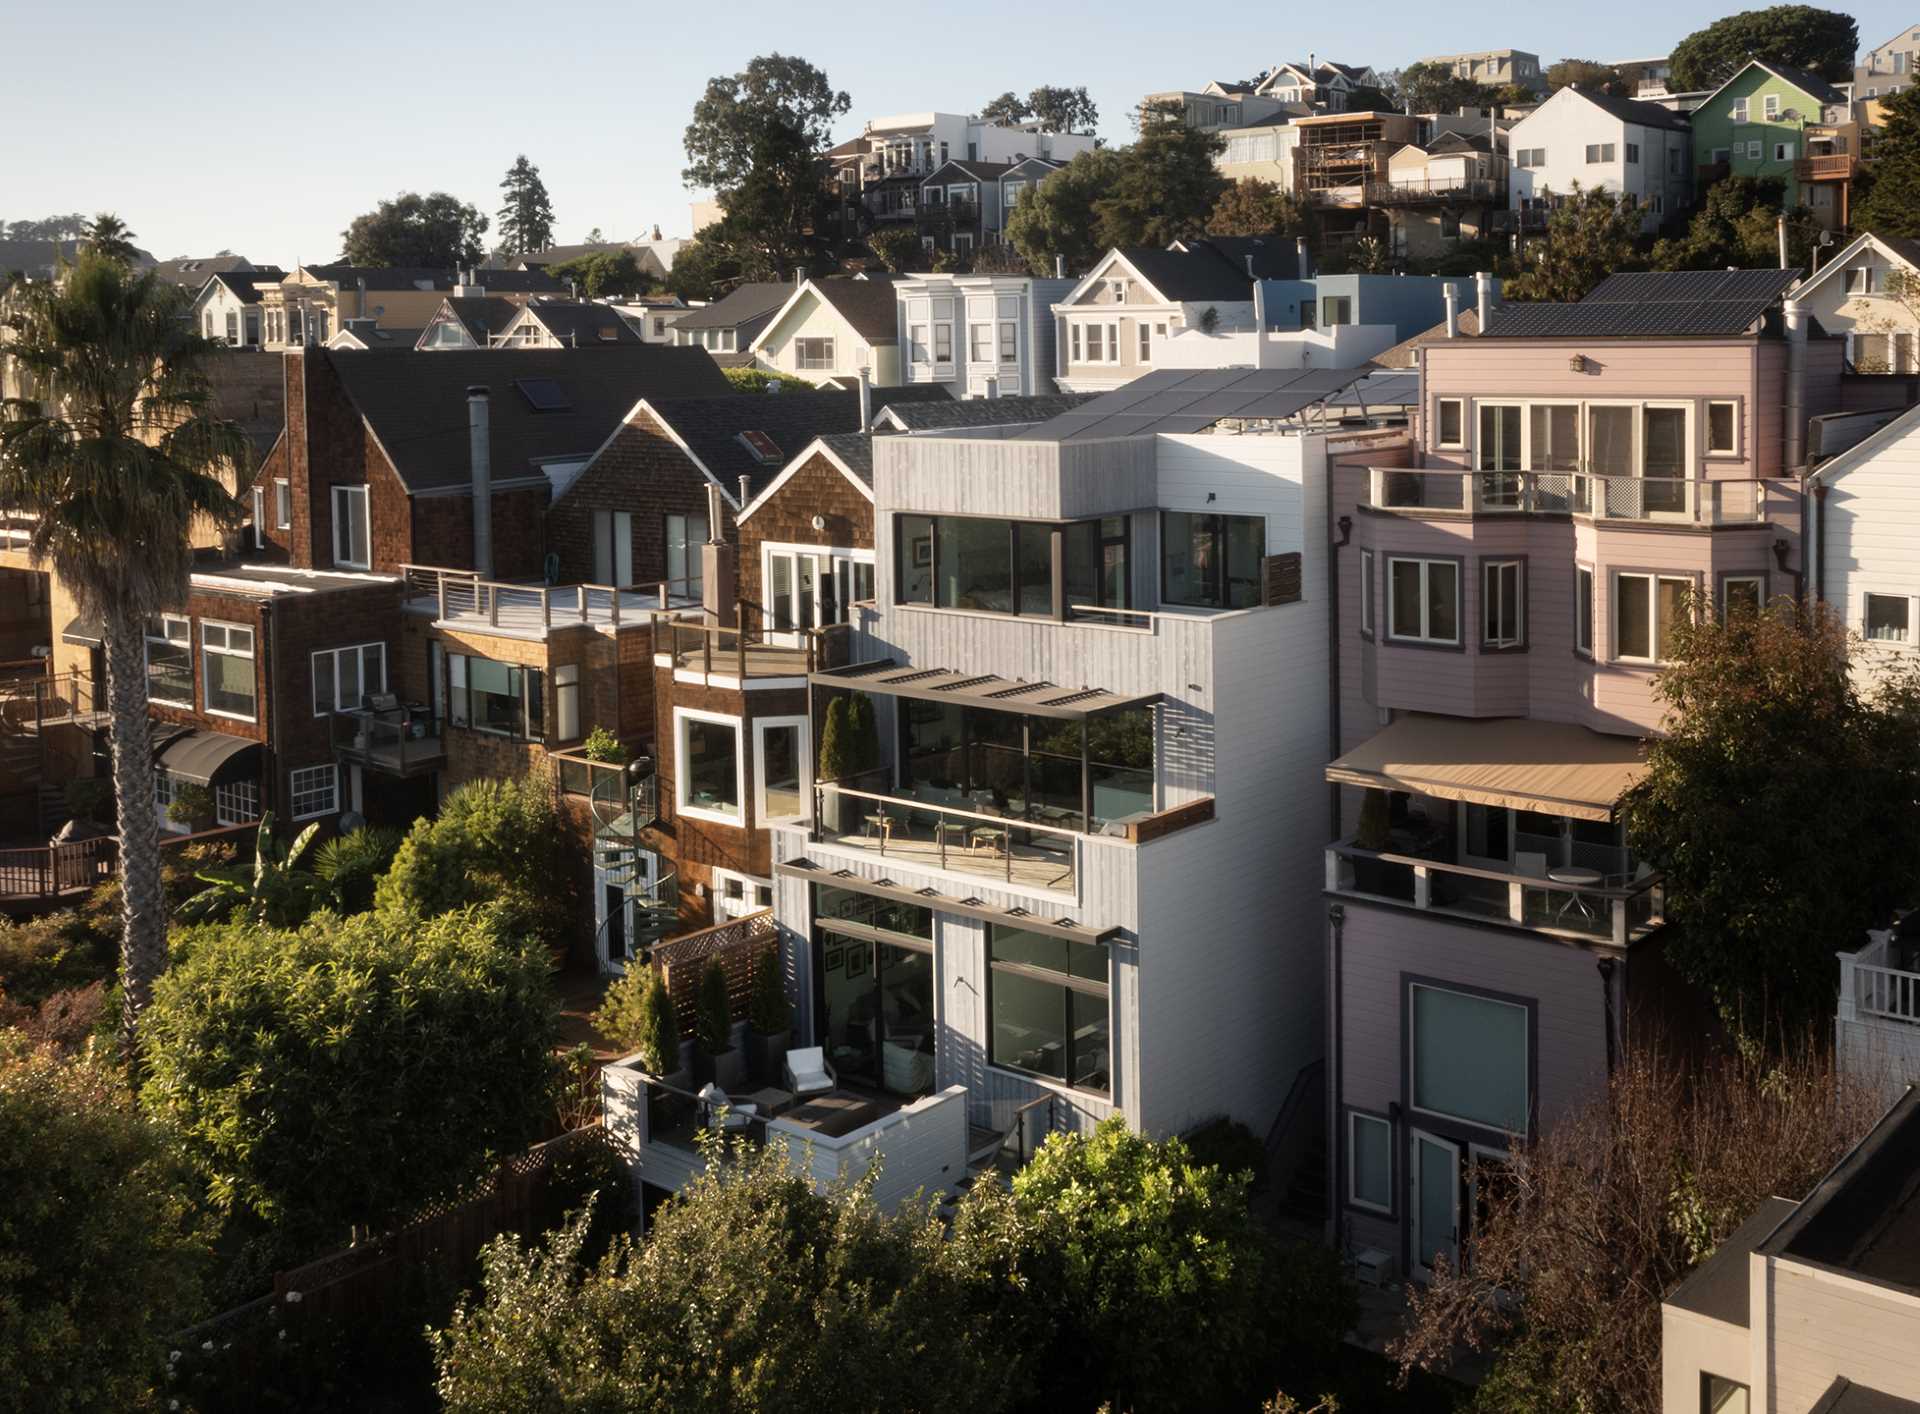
(1588, 75)
(526, 211)
(1891, 205)
(1007, 110)
(1589, 236)
(100, 1254)
(348, 1071)
(435, 232)
(605, 274)
(1056, 218)
(1251, 207)
(108, 236)
(1766, 724)
(1166, 184)
(1823, 42)
(1736, 225)
(1063, 110)
(1434, 88)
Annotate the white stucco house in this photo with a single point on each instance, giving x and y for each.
(833, 328)
(1633, 149)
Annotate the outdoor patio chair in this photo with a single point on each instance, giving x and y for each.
(808, 1072)
(723, 1113)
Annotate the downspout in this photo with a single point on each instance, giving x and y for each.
(270, 643)
(1793, 407)
(1818, 572)
(1336, 1150)
(1335, 546)
(1607, 966)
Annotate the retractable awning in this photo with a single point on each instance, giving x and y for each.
(199, 755)
(983, 690)
(84, 633)
(1552, 767)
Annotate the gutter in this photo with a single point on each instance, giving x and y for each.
(1336, 1149)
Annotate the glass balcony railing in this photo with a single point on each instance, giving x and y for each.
(398, 742)
(1604, 497)
(972, 840)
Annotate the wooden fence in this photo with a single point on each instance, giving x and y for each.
(46, 871)
(737, 943)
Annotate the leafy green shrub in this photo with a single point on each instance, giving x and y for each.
(99, 1246)
(758, 380)
(298, 1066)
(351, 865)
(36, 955)
(769, 1010)
(1230, 1147)
(90, 798)
(191, 804)
(713, 1019)
(637, 1015)
(603, 745)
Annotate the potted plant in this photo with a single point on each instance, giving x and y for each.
(714, 1056)
(192, 806)
(835, 765)
(770, 1015)
(603, 745)
(638, 1015)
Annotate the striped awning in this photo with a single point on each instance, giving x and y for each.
(987, 691)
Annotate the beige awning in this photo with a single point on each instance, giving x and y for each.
(1551, 767)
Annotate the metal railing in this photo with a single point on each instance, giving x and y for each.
(457, 593)
(1401, 191)
(1008, 847)
(1616, 910)
(394, 742)
(1568, 492)
(30, 703)
(750, 647)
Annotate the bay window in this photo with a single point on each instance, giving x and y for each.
(1211, 561)
(943, 342)
(226, 652)
(1646, 610)
(1048, 1007)
(1423, 600)
(170, 661)
(1469, 1058)
(980, 343)
(709, 771)
(342, 675)
(1503, 604)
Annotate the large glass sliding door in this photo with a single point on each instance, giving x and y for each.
(812, 589)
(874, 958)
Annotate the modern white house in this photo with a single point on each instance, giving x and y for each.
(1849, 295)
(978, 334)
(1810, 1307)
(1633, 149)
(834, 328)
(1865, 526)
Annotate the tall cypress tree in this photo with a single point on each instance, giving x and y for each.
(526, 219)
(1891, 206)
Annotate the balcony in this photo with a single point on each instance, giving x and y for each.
(1618, 909)
(462, 599)
(1877, 1028)
(396, 742)
(1604, 497)
(732, 656)
(1436, 191)
(620, 795)
(1833, 167)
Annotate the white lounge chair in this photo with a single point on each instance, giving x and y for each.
(809, 1072)
(723, 1113)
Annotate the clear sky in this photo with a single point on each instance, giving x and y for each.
(266, 129)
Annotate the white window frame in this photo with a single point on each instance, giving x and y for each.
(1866, 599)
(225, 651)
(352, 499)
(282, 503)
(1076, 348)
(167, 623)
(1783, 151)
(1758, 581)
(1143, 333)
(821, 356)
(1770, 106)
(1753, 149)
(682, 777)
(1423, 635)
(761, 725)
(1367, 568)
(1864, 285)
(1493, 595)
(332, 670)
(1413, 1057)
(1440, 423)
(1008, 349)
(943, 334)
(751, 887)
(1738, 113)
(1583, 611)
(1655, 580)
(980, 335)
(1354, 1200)
(917, 346)
(1706, 428)
(236, 802)
(313, 775)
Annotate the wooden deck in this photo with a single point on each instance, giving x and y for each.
(763, 660)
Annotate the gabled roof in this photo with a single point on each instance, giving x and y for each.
(582, 325)
(1810, 84)
(1627, 110)
(245, 284)
(868, 305)
(1897, 250)
(1211, 269)
(416, 403)
(980, 171)
(1867, 448)
(380, 337)
(710, 430)
(978, 412)
(481, 315)
(1457, 142)
(193, 270)
(742, 305)
(851, 452)
(396, 277)
(1650, 304)
(1406, 354)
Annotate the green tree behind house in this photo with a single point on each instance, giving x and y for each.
(525, 222)
(1822, 42)
(410, 231)
(1590, 235)
(1891, 205)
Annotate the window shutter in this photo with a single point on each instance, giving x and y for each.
(1280, 578)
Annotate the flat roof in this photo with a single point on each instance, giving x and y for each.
(987, 691)
(1177, 400)
(267, 580)
(1718, 1288)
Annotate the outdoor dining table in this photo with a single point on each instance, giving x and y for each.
(1579, 878)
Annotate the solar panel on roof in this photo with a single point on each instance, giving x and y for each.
(543, 394)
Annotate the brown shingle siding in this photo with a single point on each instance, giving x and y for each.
(644, 472)
(817, 488)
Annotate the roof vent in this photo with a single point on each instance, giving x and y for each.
(765, 450)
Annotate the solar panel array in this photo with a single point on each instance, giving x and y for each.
(1674, 303)
(1192, 400)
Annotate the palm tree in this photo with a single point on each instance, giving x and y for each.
(108, 235)
(111, 451)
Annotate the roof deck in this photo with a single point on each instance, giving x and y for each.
(461, 599)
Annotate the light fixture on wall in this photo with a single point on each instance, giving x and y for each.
(1578, 363)
(819, 522)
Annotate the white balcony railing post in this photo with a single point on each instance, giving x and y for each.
(1848, 982)
(1376, 486)
(1517, 901)
(1422, 887)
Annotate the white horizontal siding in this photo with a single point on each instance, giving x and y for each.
(1873, 542)
(1821, 1327)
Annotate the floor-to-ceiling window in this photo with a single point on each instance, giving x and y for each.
(1047, 1007)
(874, 958)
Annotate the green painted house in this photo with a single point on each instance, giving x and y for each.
(1773, 120)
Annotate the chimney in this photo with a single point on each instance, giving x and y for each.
(993, 386)
(1059, 267)
(746, 489)
(360, 309)
(1303, 257)
(656, 230)
(866, 402)
(1483, 289)
(1793, 406)
(480, 454)
(1452, 292)
(717, 579)
(1259, 324)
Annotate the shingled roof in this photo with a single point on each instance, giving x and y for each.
(1214, 268)
(741, 306)
(980, 412)
(867, 305)
(416, 402)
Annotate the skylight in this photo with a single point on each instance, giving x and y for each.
(765, 450)
(543, 394)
